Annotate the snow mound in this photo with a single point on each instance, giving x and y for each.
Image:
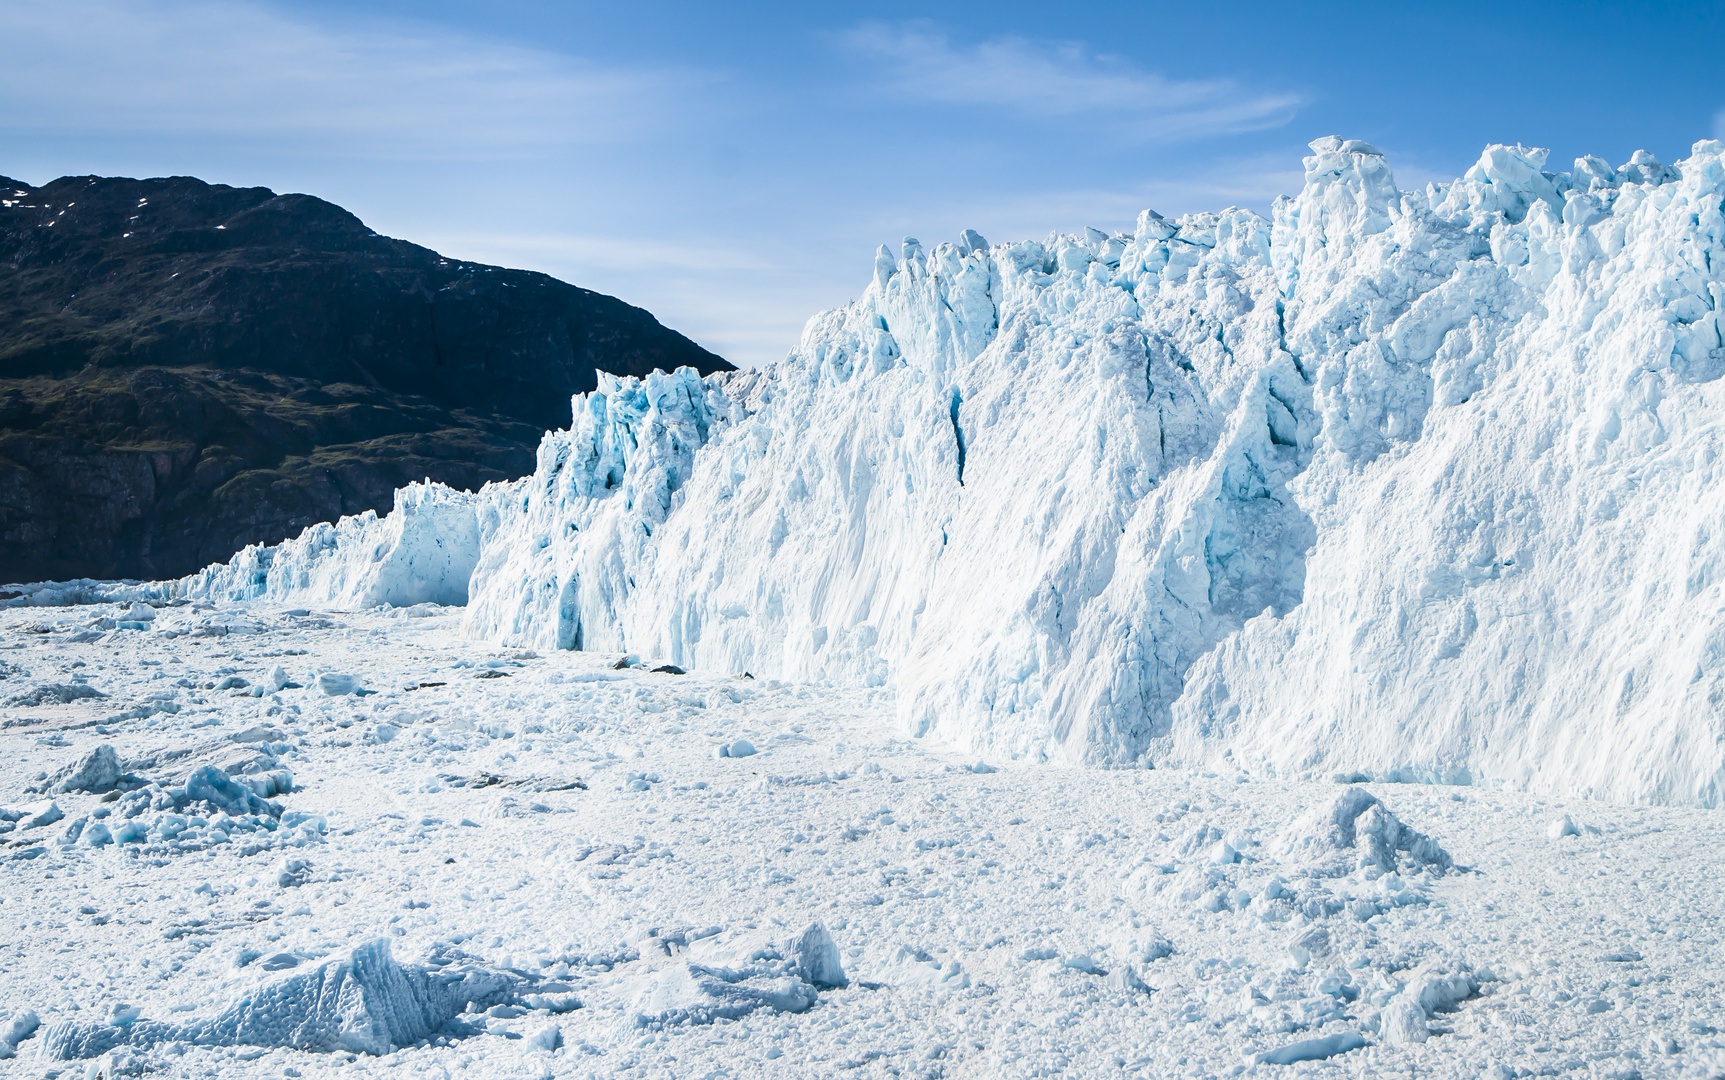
(1356, 831)
(364, 1002)
(1415, 483)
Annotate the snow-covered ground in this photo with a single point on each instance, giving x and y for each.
(563, 844)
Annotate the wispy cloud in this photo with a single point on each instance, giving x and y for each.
(746, 302)
(1062, 81)
(249, 71)
(596, 252)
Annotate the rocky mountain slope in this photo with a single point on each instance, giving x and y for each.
(187, 368)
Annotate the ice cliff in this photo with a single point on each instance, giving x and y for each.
(1412, 484)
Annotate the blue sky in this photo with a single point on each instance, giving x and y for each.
(732, 167)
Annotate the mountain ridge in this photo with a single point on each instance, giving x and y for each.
(186, 367)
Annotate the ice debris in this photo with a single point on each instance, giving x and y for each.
(730, 980)
(1563, 826)
(363, 1002)
(1357, 831)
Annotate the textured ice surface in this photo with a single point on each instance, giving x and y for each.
(570, 829)
(1416, 485)
(364, 1002)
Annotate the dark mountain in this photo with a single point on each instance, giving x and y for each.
(186, 368)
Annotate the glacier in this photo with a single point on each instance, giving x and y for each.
(1409, 485)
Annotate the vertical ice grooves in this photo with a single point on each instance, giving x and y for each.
(958, 432)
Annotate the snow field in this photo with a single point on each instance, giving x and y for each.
(843, 901)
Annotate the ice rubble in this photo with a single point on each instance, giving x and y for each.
(1420, 484)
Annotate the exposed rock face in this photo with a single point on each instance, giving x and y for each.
(186, 368)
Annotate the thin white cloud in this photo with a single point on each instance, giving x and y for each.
(1062, 81)
(643, 254)
(746, 303)
(249, 71)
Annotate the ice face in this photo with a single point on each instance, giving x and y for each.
(1415, 484)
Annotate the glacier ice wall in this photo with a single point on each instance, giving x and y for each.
(1420, 484)
(423, 551)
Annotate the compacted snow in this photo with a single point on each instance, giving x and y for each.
(297, 843)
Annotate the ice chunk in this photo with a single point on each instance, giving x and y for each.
(98, 771)
(970, 242)
(215, 787)
(37, 814)
(363, 1002)
(914, 968)
(1563, 826)
(15, 1027)
(549, 1037)
(740, 748)
(1311, 944)
(335, 684)
(1327, 1046)
(1435, 987)
(816, 957)
(54, 694)
(1357, 821)
(687, 993)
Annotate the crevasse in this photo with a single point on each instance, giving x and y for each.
(1416, 484)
